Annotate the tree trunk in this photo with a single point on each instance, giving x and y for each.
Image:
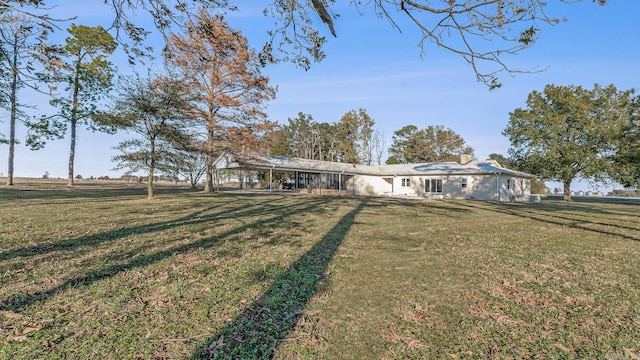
(567, 190)
(150, 184)
(74, 121)
(12, 131)
(152, 167)
(208, 186)
(72, 152)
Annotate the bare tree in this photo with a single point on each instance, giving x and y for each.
(379, 145)
(188, 162)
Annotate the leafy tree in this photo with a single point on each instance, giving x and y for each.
(538, 186)
(21, 42)
(502, 160)
(281, 145)
(625, 167)
(329, 140)
(87, 75)
(432, 144)
(305, 138)
(309, 139)
(355, 137)
(482, 32)
(392, 160)
(223, 74)
(154, 109)
(567, 132)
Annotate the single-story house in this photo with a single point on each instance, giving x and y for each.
(465, 179)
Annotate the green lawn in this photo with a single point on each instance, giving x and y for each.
(98, 272)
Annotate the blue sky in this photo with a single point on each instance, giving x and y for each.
(371, 66)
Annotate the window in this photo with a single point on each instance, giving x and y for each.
(433, 186)
(508, 184)
(406, 182)
(463, 183)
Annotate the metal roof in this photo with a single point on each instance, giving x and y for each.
(283, 163)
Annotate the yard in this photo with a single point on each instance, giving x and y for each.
(98, 272)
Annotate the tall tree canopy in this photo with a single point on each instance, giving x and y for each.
(280, 144)
(432, 144)
(87, 75)
(625, 167)
(20, 44)
(309, 139)
(355, 137)
(502, 160)
(567, 132)
(156, 110)
(229, 91)
(482, 32)
(352, 139)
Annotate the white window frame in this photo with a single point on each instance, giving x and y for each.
(405, 182)
(464, 183)
(431, 183)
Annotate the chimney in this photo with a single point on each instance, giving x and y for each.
(465, 159)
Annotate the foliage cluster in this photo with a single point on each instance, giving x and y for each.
(570, 131)
(353, 139)
(432, 144)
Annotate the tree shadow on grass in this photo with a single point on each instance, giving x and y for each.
(63, 195)
(552, 217)
(203, 215)
(20, 301)
(257, 332)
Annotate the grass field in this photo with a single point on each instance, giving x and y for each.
(98, 272)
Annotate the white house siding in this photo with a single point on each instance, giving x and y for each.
(412, 185)
(479, 187)
(368, 185)
(514, 188)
